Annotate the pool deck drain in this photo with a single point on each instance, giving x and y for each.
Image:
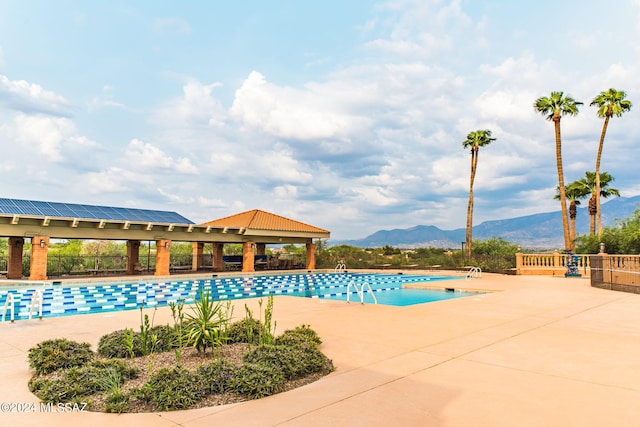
(543, 352)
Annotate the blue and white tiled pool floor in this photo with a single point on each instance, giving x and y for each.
(59, 300)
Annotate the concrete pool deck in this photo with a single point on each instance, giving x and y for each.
(540, 351)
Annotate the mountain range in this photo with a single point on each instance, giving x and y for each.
(537, 231)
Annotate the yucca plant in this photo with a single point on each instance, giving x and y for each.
(203, 325)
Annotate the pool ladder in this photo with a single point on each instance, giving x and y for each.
(10, 305)
(340, 267)
(360, 291)
(474, 272)
(36, 301)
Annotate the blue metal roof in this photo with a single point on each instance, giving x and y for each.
(72, 210)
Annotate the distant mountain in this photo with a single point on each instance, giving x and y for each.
(540, 231)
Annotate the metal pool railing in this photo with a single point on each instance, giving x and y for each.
(360, 291)
(10, 305)
(474, 272)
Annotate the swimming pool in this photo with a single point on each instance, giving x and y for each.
(57, 300)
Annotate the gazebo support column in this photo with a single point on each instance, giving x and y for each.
(261, 248)
(218, 252)
(133, 257)
(198, 251)
(311, 256)
(248, 257)
(14, 266)
(163, 257)
(39, 250)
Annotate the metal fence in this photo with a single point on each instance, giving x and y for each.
(59, 265)
(616, 272)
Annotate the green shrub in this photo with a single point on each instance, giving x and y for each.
(79, 381)
(256, 380)
(117, 404)
(120, 367)
(115, 344)
(247, 330)
(51, 355)
(166, 338)
(171, 389)
(215, 377)
(294, 361)
(299, 335)
(116, 400)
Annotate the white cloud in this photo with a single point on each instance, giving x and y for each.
(504, 105)
(424, 29)
(290, 113)
(197, 106)
(285, 192)
(28, 97)
(376, 196)
(105, 100)
(148, 157)
(115, 180)
(55, 138)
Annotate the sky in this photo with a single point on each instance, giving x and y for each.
(347, 115)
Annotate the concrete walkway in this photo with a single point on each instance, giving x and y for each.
(539, 351)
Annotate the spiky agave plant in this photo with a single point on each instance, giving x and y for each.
(203, 325)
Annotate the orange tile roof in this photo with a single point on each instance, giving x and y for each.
(261, 220)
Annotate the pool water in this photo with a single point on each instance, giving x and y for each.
(404, 297)
(59, 300)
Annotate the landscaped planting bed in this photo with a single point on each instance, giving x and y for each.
(201, 360)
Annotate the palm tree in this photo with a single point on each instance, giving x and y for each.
(474, 141)
(574, 192)
(588, 184)
(611, 102)
(554, 107)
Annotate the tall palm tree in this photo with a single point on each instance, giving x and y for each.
(610, 103)
(588, 184)
(554, 107)
(574, 192)
(474, 141)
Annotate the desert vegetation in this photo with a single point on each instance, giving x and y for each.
(203, 359)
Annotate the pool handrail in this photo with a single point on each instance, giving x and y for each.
(340, 267)
(36, 299)
(360, 291)
(9, 303)
(474, 272)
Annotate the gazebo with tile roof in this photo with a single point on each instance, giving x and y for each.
(260, 228)
(40, 221)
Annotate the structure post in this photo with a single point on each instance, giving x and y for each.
(163, 257)
(248, 257)
(198, 251)
(14, 266)
(39, 250)
(218, 252)
(311, 256)
(133, 257)
(518, 262)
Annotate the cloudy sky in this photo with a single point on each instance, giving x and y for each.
(348, 115)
